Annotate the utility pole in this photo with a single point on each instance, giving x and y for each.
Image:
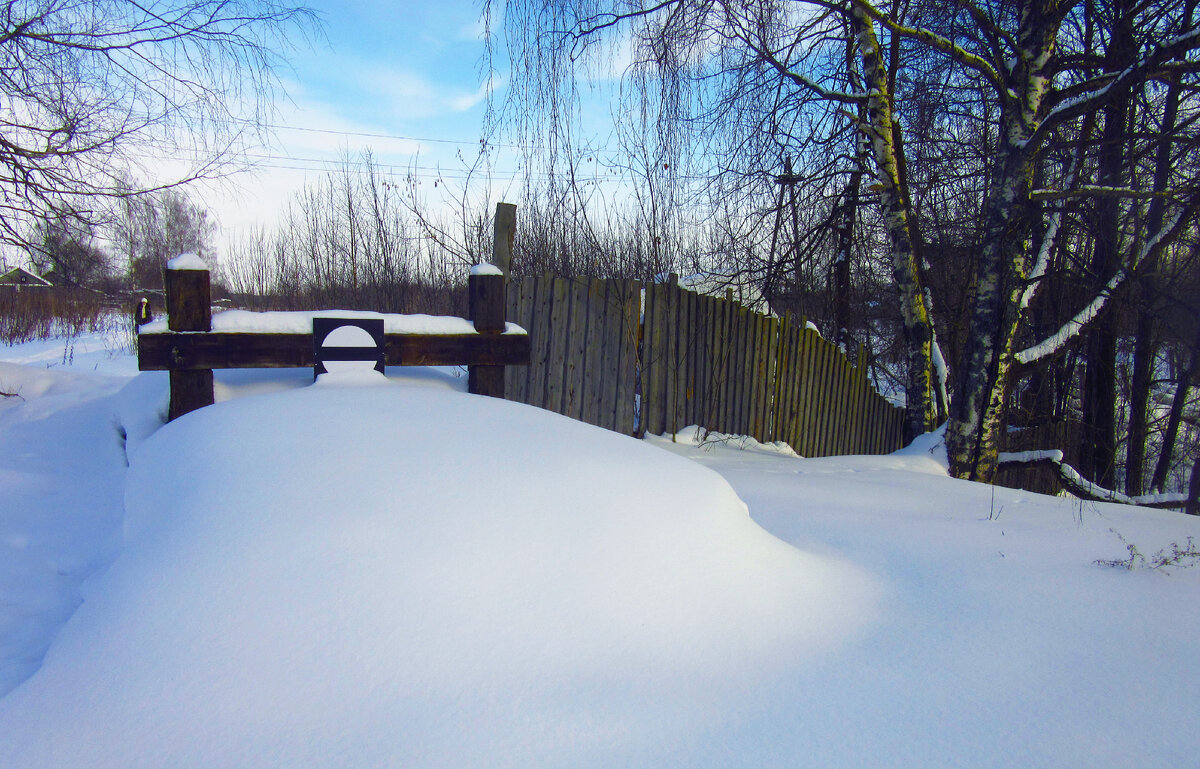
(787, 180)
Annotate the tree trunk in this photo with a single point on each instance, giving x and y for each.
(977, 412)
(1146, 344)
(1182, 385)
(1193, 500)
(1145, 350)
(920, 409)
(1100, 377)
(845, 222)
(1099, 406)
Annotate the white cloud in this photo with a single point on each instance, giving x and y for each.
(471, 33)
(467, 101)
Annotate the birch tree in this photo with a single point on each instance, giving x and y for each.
(1034, 85)
(1034, 81)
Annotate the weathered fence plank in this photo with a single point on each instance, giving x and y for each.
(655, 402)
(728, 347)
(819, 415)
(784, 381)
(576, 365)
(596, 347)
(631, 339)
(670, 297)
(542, 341)
(710, 363)
(560, 315)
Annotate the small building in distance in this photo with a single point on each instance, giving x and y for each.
(19, 277)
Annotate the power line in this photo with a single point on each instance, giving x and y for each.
(602, 172)
(367, 135)
(400, 137)
(422, 171)
(458, 142)
(592, 151)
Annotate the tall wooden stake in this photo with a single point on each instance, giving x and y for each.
(504, 233)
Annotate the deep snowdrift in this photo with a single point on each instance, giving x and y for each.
(385, 575)
(985, 633)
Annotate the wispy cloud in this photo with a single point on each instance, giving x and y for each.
(467, 101)
(471, 33)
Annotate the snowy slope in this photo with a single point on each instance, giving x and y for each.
(1002, 643)
(394, 573)
(377, 575)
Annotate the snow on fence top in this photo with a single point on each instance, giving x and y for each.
(300, 322)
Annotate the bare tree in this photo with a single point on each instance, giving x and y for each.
(67, 253)
(729, 89)
(153, 228)
(355, 238)
(91, 90)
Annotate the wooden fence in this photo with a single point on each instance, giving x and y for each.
(189, 349)
(692, 360)
(715, 363)
(584, 348)
(594, 356)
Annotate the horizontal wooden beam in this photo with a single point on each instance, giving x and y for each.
(196, 351)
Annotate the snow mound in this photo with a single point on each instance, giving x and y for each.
(187, 261)
(403, 576)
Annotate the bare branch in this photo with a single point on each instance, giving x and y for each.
(602, 21)
(89, 89)
(1075, 483)
(936, 42)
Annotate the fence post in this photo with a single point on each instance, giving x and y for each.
(485, 292)
(189, 308)
(504, 232)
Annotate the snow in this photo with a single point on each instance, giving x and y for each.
(348, 336)
(300, 322)
(1037, 455)
(106, 352)
(187, 262)
(486, 269)
(385, 571)
(1152, 57)
(1116, 496)
(695, 435)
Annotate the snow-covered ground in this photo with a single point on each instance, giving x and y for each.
(378, 572)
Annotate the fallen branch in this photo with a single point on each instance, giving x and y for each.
(1082, 487)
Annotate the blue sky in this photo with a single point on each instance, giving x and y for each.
(394, 67)
(402, 79)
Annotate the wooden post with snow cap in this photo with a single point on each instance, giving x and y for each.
(485, 288)
(189, 308)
